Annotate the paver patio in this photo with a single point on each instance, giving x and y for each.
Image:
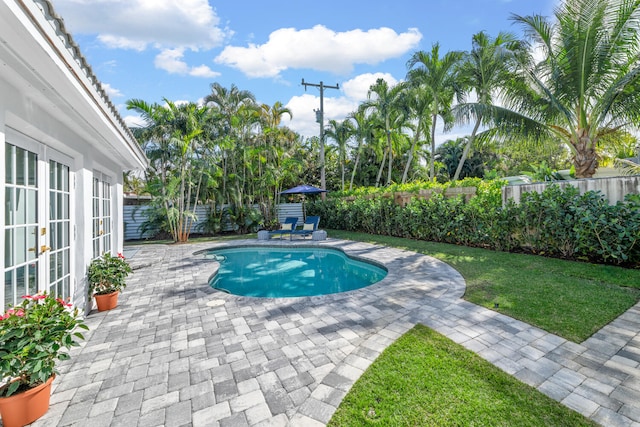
(177, 353)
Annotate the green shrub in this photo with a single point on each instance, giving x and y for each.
(557, 222)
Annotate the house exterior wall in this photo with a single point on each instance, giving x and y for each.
(59, 130)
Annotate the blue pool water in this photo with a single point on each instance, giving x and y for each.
(275, 272)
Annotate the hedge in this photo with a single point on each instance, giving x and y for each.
(557, 222)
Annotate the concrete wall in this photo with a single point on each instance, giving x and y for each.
(613, 189)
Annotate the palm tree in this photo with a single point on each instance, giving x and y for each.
(232, 104)
(362, 131)
(229, 100)
(174, 132)
(436, 76)
(272, 116)
(384, 100)
(341, 132)
(587, 84)
(417, 102)
(484, 70)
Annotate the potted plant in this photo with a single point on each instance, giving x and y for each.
(107, 276)
(33, 335)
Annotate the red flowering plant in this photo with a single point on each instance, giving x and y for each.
(107, 274)
(33, 335)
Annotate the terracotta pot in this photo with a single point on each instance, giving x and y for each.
(107, 301)
(24, 408)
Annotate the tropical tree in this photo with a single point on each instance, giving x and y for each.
(417, 103)
(384, 100)
(484, 71)
(362, 132)
(436, 76)
(341, 132)
(587, 84)
(233, 106)
(172, 137)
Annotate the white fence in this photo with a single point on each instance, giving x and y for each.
(135, 216)
(613, 189)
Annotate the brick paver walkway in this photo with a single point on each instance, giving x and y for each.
(177, 353)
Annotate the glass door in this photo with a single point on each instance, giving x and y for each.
(59, 227)
(37, 229)
(21, 233)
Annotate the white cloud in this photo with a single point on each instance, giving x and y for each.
(171, 60)
(136, 24)
(134, 121)
(111, 91)
(358, 87)
(318, 48)
(119, 42)
(203, 71)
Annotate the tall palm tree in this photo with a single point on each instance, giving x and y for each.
(362, 131)
(384, 100)
(436, 76)
(587, 84)
(230, 103)
(417, 102)
(485, 71)
(341, 132)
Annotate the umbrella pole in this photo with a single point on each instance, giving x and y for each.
(304, 214)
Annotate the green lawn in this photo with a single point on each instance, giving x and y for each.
(425, 379)
(569, 299)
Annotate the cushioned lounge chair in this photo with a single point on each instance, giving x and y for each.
(310, 225)
(286, 227)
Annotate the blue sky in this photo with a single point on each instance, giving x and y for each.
(174, 49)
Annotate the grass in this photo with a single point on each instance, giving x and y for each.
(425, 379)
(567, 298)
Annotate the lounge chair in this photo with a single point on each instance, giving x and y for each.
(286, 227)
(310, 225)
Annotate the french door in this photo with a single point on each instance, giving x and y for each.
(37, 229)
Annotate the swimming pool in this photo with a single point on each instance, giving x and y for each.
(276, 272)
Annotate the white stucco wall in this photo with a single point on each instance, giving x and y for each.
(51, 104)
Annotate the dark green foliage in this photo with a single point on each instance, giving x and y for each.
(546, 221)
(558, 222)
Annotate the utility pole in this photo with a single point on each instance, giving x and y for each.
(320, 119)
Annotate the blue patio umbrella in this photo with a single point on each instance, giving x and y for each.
(304, 189)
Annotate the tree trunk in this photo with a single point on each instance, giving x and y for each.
(355, 165)
(384, 159)
(432, 167)
(585, 159)
(410, 156)
(390, 151)
(467, 147)
(342, 163)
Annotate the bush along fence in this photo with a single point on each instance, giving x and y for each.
(556, 222)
